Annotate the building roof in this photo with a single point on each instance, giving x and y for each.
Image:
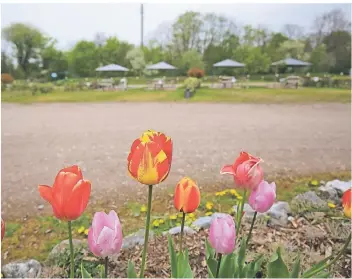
(161, 66)
(291, 62)
(228, 63)
(112, 68)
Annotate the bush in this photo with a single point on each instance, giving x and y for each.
(6, 78)
(196, 73)
(192, 84)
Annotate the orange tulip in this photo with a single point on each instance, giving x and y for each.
(149, 161)
(187, 195)
(346, 203)
(2, 229)
(69, 195)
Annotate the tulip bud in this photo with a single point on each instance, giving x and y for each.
(263, 197)
(222, 234)
(105, 234)
(149, 161)
(346, 203)
(187, 195)
(246, 171)
(69, 195)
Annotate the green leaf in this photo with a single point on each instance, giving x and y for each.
(236, 274)
(315, 267)
(322, 275)
(241, 258)
(184, 269)
(258, 264)
(296, 268)
(209, 251)
(212, 265)
(84, 272)
(101, 271)
(173, 258)
(276, 267)
(131, 272)
(227, 267)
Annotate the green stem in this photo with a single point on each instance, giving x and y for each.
(72, 271)
(218, 267)
(239, 215)
(309, 275)
(252, 225)
(182, 227)
(146, 234)
(106, 267)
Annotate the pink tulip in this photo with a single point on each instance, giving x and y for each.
(222, 234)
(105, 234)
(246, 171)
(263, 197)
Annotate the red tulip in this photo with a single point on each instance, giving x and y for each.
(346, 203)
(246, 171)
(149, 161)
(187, 195)
(2, 229)
(69, 195)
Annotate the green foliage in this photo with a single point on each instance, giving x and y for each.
(83, 58)
(179, 262)
(11, 228)
(276, 267)
(136, 58)
(131, 272)
(192, 84)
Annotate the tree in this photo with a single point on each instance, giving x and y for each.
(186, 32)
(153, 52)
(136, 58)
(114, 52)
(53, 59)
(275, 42)
(6, 64)
(190, 59)
(293, 31)
(321, 60)
(338, 44)
(27, 42)
(294, 49)
(84, 59)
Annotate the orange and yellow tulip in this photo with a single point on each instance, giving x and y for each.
(187, 195)
(69, 195)
(149, 161)
(346, 203)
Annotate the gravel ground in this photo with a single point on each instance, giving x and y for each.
(39, 139)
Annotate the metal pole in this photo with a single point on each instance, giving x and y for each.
(141, 25)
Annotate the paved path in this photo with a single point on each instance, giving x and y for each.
(38, 140)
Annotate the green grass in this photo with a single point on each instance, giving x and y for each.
(251, 95)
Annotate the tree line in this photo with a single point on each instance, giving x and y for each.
(192, 40)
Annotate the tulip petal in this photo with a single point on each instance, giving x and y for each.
(78, 200)
(179, 197)
(63, 185)
(94, 248)
(228, 169)
(105, 241)
(45, 192)
(74, 169)
(192, 198)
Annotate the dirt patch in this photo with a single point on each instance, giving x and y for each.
(38, 140)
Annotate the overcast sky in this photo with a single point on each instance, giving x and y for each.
(69, 23)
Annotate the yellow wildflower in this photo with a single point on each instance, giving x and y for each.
(156, 223)
(192, 215)
(233, 192)
(331, 205)
(239, 197)
(209, 205)
(86, 231)
(179, 215)
(143, 208)
(173, 217)
(208, 213)
(81, 230)
(161, 221)
(314, 182)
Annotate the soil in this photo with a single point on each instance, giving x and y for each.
(40, 139)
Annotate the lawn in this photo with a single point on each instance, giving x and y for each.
(251, 95)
